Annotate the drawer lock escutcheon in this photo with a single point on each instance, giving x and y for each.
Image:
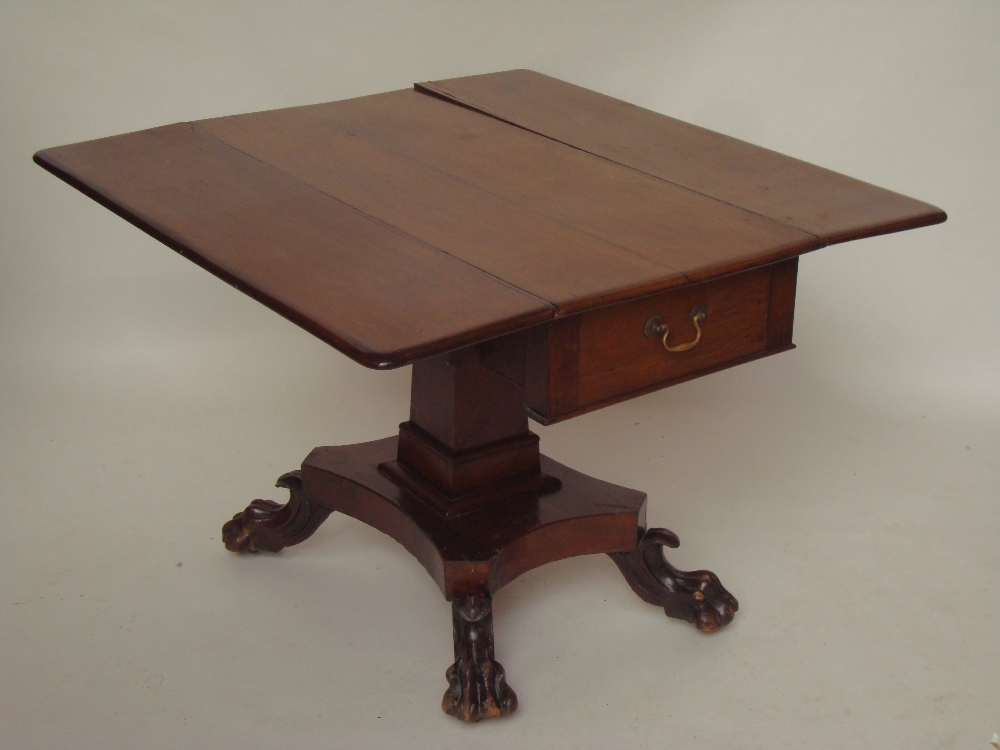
(655, 328)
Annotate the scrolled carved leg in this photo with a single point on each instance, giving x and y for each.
(477, 686)
(267, 526)
(696, 596)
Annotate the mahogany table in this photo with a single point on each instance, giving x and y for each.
(533, 249)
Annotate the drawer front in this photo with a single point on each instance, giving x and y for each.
(616, 357)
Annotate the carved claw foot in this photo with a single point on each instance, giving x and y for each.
(267, 526)
(696, 596)
(477, 685)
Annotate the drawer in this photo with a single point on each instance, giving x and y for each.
(576, 364)
(615, 355)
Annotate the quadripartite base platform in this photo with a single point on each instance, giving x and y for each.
(473, 555)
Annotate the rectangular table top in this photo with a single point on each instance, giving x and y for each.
(402, 225)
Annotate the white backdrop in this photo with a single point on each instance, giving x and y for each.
(846, 492)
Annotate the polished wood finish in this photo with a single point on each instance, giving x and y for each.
(618, 398)
(343, 276)
(510, 236)
(586, 361)
(642, 217)
(464, 404)
(616, 356)
(479, 510)
(832, 207)
(472, 556)
(393, 156)
(552, 369)
(404, 225)
(467, 442)
(781, 305)
(463, 482)
(457, 473)
(482, 551)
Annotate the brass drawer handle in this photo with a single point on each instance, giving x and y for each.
(655, 328)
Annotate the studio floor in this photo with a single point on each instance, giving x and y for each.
(846, 492)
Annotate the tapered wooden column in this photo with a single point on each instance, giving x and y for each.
(467, 442)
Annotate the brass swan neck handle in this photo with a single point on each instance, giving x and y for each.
(656, 328)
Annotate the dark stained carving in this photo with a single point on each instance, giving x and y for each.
(267, 526)
(696, 596)
(477, 687)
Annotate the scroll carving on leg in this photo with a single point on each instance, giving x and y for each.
(267, 526)
(696, 596)
(477, 686)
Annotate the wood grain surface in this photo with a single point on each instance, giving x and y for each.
(579, 363)
(403, 225)
(378, 295)
(478, 551)
(828, 205)
(505, 238)
(616, 357)
(688, 234)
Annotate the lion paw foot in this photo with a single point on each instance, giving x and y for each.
(477, 686)
(696, 596)
(267, 526)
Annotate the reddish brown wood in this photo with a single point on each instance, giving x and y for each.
(478, 511)
(463, 404)
(351, 280)
(506, 356)
(467, 443)
(688, 234)
(457, 473)
(473, 555)
(508, 239)
(406, 225)
(552, 368)
(617, 357)
(509, 235)
(481, 551)
(603, 356)
(456, 482)
(831, 206)
(781, 308)
(555, 418)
